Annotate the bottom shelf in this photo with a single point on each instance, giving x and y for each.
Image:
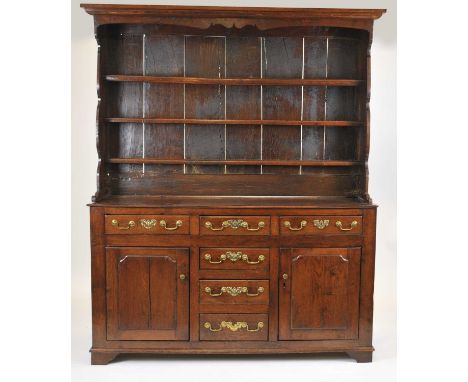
(320, 163)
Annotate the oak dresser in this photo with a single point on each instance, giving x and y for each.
(232, 214)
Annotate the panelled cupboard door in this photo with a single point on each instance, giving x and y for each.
(319, 293)
(147, 293)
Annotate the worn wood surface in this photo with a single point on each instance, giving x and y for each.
(229, 115)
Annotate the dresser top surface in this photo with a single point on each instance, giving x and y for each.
(156, 201)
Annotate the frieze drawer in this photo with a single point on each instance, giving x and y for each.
(147, 224)
(233, 327)
(234, 225)
(316, 225)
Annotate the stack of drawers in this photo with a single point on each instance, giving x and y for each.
(241, 302)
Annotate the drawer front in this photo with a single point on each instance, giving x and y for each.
(235, 258)
(147, 224)
(233, 327)
(234, 225)
(316, 225)
(234, 292)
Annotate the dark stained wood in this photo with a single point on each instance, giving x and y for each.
(233, 81)
(226, 114)
(284, 122)
(270, 137)
(345, 58)
(319, 293)
(164, 55)
(313, 144)
(216, 295)
(226, 334)
(232, 225)
(126, 141)
(340, 145)
(361, 356)
(351, 225)
(243, 102)
(146, 298)
(98, 282)
(315, 58)
(123, 55)
(132, 292)
(102, 358)
(145, 224)
(341, 104)
(205, 56)
(171, 203)
(280, 142)
(210, 258)
(233, 184)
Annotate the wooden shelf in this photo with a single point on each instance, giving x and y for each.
(324, 163)
(235, 122)
(234, 81)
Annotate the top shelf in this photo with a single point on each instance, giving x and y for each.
(234, 81)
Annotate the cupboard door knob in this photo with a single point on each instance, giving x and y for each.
(285, 276)
(182, 276)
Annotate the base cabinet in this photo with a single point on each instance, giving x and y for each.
(227, 292)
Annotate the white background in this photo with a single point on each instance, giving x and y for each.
(36, 225)
(382, 187)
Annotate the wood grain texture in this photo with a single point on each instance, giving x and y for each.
(319, 299)
(164, 56)
(252, 297)
(233, 81)
(226, 334)
(351, 225)
(210, 258)
(146, 298)
(199, 121)
(243, 102)
(345, 58)
(205, 56)
(233, 184)
(221, 113)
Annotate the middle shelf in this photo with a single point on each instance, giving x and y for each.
(235, 81)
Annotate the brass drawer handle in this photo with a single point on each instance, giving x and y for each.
(234, 256)
(287, 224)
(178, 224)
(354, 223)
(234, 327)
(148, 223)
(234, 224)
(235, 291)
(321, 224)
(129, 225)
